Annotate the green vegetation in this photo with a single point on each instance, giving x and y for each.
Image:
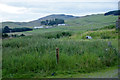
(107, 32)
(56, 34)
(6, 29)
(76, 23)
(102, 34)
(106, 27)
(78, 56)
(37, 22)
(52, 22)
(115, 12)
(34, 56)
(4, 35)
(93, 21)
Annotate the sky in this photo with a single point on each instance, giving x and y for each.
(28, 10)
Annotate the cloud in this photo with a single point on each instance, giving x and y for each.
(27, 10)
(12, 9)
(59, 1)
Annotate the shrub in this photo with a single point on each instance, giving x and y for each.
(57, 34)
(22, 35)
(4, 35)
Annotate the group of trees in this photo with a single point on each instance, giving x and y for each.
(5, 35)
(52, 22)
(6, 29)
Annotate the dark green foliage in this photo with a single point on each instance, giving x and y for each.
(56, 34)
(115, 12)
(52, 22)
(43, 23)
(66, 33)
(22, 35)
(20, 29)
(15, 35)
(6, 29)
(59, 21)
(4, 35)
(109, 27)
(105, 37)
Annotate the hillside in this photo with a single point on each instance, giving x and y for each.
(93, 20)
(115, 12)
(89, 21)
(37, 22)
(60, 16)
(78, 56)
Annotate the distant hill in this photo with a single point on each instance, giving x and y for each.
(59, 16)
(89, 21)
(92, 21)
(37, 22)
(116, 13)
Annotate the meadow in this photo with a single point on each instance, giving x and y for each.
(34, 56)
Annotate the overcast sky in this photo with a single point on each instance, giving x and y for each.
(28, 10)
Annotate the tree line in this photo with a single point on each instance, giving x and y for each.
(6, 29)
(52, 22)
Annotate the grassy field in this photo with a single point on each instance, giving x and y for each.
(34, 55)
(80, 56)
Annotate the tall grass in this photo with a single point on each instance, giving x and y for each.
(36, 54)
(101, 34)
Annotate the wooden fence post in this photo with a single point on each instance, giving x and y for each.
(57, 55)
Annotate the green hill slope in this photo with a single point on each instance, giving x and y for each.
(82, 23)
(92, 21)
(37, 22)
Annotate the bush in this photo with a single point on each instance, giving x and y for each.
(4, 35)
(22, 35)
(56, 35)
(105, 37)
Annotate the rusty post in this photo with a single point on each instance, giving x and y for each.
(57, 55)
